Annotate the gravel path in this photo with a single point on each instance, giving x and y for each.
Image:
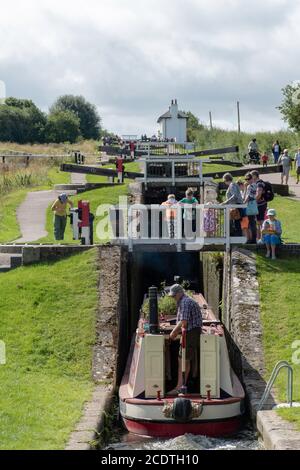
(275, 178)
(78, 178)
(31, 215)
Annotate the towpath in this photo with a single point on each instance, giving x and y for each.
(32, 212)
(78, 178)
(31, 215)
(275, 178)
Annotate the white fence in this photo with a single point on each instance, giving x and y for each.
(186, 226)
(172, 170)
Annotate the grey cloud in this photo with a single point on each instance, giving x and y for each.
(206, 56)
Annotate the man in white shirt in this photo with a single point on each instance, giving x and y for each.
(286, 161)
(297, 165)
(252, 146)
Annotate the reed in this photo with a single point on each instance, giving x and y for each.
(14, 176)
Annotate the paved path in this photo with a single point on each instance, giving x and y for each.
(275, 178)
(5, 259)
(294, 189)
(31, 215)
(78, 178)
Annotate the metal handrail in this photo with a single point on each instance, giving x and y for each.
(289, 391)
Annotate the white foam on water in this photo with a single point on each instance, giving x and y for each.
(245, 440)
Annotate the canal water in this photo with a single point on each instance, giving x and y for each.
(246, 439)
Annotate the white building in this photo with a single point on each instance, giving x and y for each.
(173, 123)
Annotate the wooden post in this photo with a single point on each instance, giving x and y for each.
(239, 117)
(210, 121)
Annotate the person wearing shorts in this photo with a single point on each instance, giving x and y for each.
(189, 317)
(297, 165)
(271, 231)
(286, 161)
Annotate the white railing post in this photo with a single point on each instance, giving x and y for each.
(179, 222)
(145, 173)
(129, 230)
(227, 228)
(200, 172)
(173, 173)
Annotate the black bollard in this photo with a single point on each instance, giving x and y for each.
(153, 308)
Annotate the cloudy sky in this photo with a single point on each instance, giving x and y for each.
(131, 57)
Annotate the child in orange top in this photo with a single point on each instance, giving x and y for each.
(265, 159)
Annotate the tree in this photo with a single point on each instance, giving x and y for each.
(62, 126)
(193, 121)
(193, 125)
(21, 121)
(90, 121)
(290, 107)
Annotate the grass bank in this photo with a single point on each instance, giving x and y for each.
(85, 146)
(49, 334)
(9, 227)
(217, 138)
(280, 312)
(14, 190)
(288, 212)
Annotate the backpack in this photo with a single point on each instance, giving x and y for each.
(268, 193)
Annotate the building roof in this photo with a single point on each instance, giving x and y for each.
(167, 115)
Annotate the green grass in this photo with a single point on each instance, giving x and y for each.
(216, 168)
(106, 195)
(58, 177)
(132, 166)
(49, 334)
(9, 227)
(288, 212)
(280, 310)
(217, 138)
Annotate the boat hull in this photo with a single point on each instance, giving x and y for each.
(162, 429)
(149, 420)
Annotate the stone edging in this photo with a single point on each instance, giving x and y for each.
(277, 434)
(106, 349)
(92, 421)
(245, 326)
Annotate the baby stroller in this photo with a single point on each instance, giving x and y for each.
(254, 157)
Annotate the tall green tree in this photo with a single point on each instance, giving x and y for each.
(193, 125)
(62, 126)
(21, 121)
(193, 121)
(90, 121)
(290, 106)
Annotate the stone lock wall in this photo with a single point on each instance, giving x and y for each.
(111, 328)
(241, 317)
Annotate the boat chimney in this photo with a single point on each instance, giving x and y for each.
(153, 307)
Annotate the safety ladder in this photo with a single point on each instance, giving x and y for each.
(289, 390)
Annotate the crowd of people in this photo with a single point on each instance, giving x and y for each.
(280, 157)
(154, 138)
(255, 221)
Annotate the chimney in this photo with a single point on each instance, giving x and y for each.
(174, 108)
